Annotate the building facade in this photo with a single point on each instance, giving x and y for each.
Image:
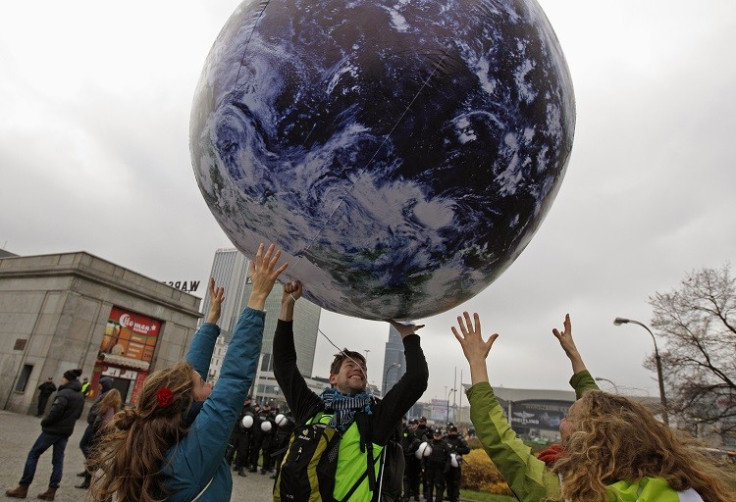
(230, 270)
(394, 362)
(75, 310)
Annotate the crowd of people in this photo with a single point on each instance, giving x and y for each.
(183, 438)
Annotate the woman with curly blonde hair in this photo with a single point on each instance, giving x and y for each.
(172, 444)
(613, 449)
(615, 445)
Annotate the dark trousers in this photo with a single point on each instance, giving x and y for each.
(435, 482)
(412, 475)
(85, 444)
(43, 443)
(255, 450)
(243, 450)
(266, 453)
(42, 400)
(453, 483)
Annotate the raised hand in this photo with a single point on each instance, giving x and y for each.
(263, 274)
(568, 345)
(217, 296)
(405, 329)
(292, 292)
(471, 338)
(475, 349)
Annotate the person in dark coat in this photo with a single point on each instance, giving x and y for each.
(286, 425)
(458, 447)
(412, 465)
(436, 467)
(240, 439)
(56, 427)
(263, 430)
(424, 434)
(47, 388)
(85, 444)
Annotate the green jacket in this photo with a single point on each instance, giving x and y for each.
(528, 477)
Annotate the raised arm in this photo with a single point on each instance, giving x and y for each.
(474, 347)
(568, 345)
(199, 454)
(527, 476)
(581, 379)
(301, 400)
(410, 387)
(203, 344)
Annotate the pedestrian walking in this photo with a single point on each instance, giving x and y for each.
(56, 427)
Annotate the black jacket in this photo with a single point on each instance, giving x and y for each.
(440, 456)
(65, 410)
(387, 414)
(457, 444)
(47, 388)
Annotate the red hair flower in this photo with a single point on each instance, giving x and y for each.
(164, 397)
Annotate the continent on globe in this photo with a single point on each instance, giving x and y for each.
(401, 153)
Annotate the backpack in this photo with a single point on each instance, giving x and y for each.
(310, 463)
(309, 466)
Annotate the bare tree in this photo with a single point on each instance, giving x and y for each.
(698, 323)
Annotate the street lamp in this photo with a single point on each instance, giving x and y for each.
(448, 404)
(619, 321)
(601, 379)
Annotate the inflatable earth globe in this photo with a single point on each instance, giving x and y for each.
(401, 153)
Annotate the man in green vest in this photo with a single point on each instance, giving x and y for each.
(346, 402)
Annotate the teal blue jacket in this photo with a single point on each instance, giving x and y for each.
(200, 456)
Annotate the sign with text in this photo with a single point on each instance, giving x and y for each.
(183, 285)
(129, 337)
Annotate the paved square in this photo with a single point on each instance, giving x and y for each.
(18, 432)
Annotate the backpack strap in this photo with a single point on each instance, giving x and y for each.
(366, 442)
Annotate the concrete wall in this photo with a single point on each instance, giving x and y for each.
(59, 304)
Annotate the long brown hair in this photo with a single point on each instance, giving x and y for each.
(112, 400)
(617, 439)
(131, 454)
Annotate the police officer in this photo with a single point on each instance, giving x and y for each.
(263, 430)
(458, 447)
(436, 467)
(285, 426)
(412, 465)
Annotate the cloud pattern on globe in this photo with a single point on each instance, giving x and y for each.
(401, 153)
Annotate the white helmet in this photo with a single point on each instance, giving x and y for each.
(455, 459)
(424, 450)
(281, 420)
(266, 425)
(247, 421)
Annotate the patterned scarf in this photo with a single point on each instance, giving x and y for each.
(344, 407)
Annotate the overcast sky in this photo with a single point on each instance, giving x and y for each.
(94, 114)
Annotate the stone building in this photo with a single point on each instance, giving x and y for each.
(75, 310)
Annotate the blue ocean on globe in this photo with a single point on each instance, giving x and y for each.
(401, 153)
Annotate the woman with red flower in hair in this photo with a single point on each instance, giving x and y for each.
(172, 444)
